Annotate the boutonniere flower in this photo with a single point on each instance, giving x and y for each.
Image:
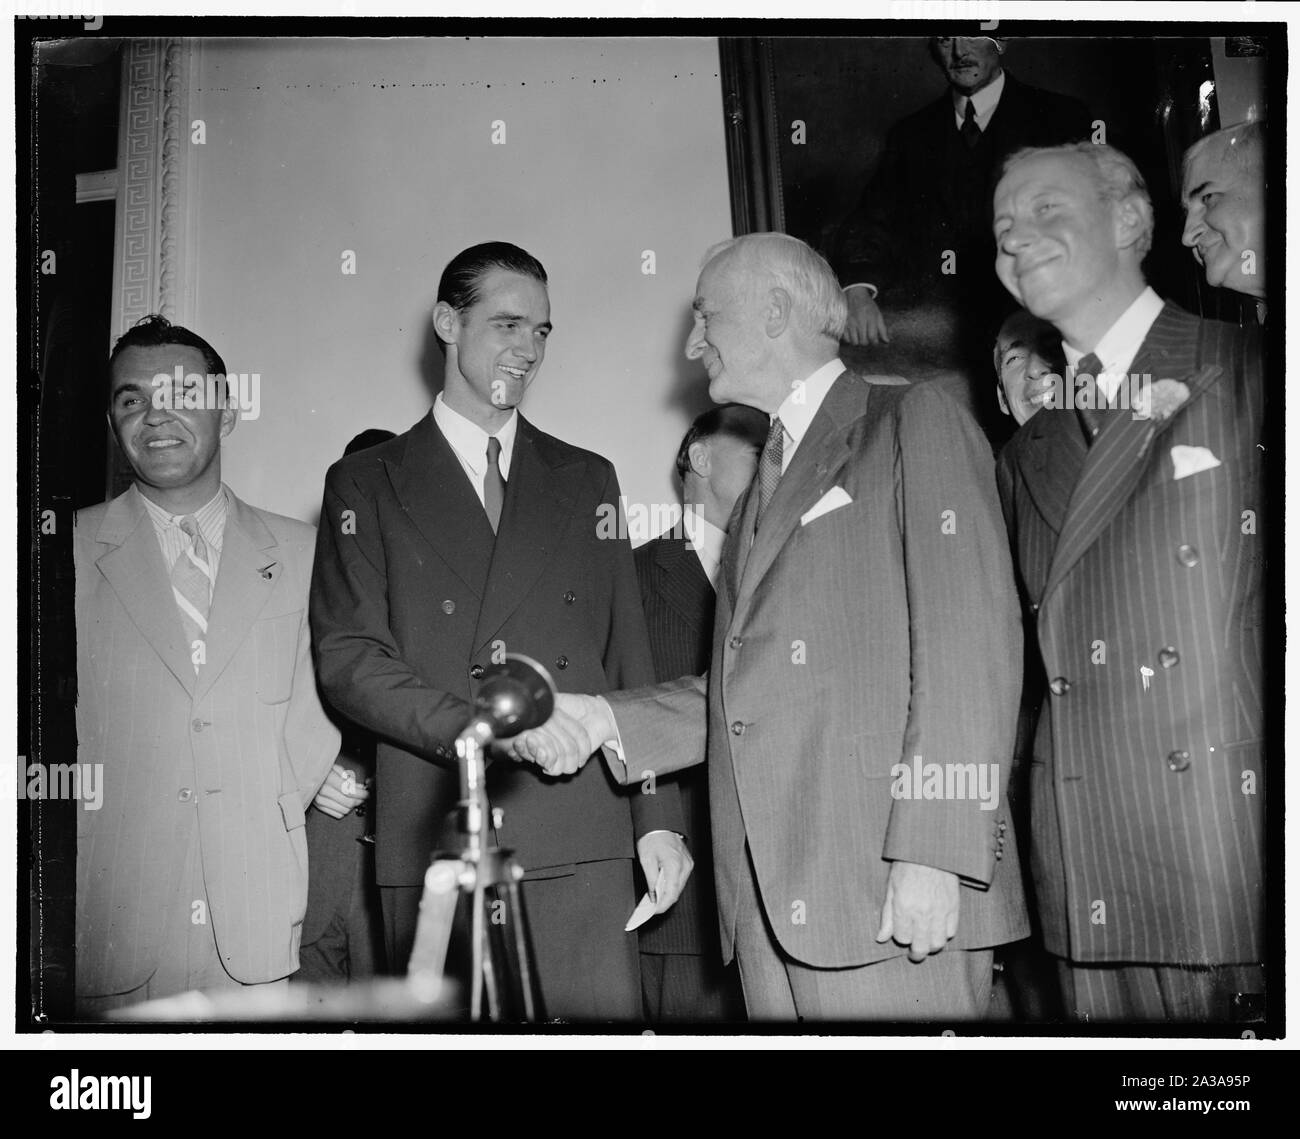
(1160, 400)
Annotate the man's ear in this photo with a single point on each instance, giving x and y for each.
(777, 313)
(1002, 400)
(698, 454)
(1132, 219)
(229, 417)
(446, 322)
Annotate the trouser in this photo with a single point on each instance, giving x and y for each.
(1206, 994)
(695, 987)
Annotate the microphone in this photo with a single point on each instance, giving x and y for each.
(515, 695)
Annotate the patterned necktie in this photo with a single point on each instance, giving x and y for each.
(192, 588)
(494, 486)
(769, 467)
(1091, 419)
(970, 129)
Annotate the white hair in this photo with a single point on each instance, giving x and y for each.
(785, 262)
(1241, 145)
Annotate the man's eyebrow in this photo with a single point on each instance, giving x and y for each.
(130, 386)
(520, 318)
(1197, 189)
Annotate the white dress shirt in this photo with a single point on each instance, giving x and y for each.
(986, 101)
(469, 442)
(800, 406)
(211, 520)
(706, 540)
(1118, 347)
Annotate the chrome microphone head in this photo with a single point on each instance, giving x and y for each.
(515, 695)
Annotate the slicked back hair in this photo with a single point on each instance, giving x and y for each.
(462, 278)
(747, 424)
(156, 331)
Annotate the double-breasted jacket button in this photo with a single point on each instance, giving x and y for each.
(1168, 657)
(199, 725)
(1178, 761)
(185, 794)
(561, 661)
(449, 607)
(570, 597)
(737, 728)
(1033, 607)
(1189, 555)
(1059, 686)
(735, 642)
(476, 671)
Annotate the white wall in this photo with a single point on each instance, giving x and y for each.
(385, 147)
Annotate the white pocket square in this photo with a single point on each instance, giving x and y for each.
(1192, 460)
(833, 499)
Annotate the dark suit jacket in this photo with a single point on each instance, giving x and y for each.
(678, 602)
(879, 631)
(1139, 798)
(930, 193)
(414, 596)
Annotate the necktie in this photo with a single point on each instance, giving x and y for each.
(1091, 419)
(192, 588)
(970, 129)
(494, 486)
(769, 467)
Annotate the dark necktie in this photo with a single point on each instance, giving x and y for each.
(1091, 419)
(970, 129)
(769, 467)
(494, 486)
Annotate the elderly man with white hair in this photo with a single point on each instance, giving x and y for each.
(859, 713)
(1136, 513)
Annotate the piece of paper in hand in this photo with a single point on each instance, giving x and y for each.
(645, 908)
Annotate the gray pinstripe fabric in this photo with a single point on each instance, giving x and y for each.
(244, 745)
(1147, 840)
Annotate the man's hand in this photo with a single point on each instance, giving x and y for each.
(664, 852)
(920, 909)
(865, 324)
(578, 726)
(340, 794)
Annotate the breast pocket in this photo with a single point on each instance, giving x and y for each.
(276, 639)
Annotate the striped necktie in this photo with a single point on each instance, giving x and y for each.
(1092, 419)
(494, 486)
(769, 467)
(192, 588)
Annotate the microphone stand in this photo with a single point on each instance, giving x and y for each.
(500, 966)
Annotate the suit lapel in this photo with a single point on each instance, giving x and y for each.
(1050, 455)
(432, 488)
(541, 497)
(1123, 451)
(682, 582)
(816, 465)
(246, 576)
(135, 569)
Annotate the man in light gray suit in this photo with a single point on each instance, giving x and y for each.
(195, 692)
(861, 707)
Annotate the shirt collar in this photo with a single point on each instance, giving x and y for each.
(801, 405)
(469, 440)
(706, 540)
(211, 516)
(986, 101)
(1119, 346)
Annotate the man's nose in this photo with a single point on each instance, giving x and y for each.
(1014, 238)
(1193, 227)
(526, 347)
(695, 342)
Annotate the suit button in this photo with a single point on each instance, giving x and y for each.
(737, 729)
(1189, 555)
(1168, 657)
(1179, 761)
(735, 642)
(449, 607)
(199, 725)
(570, 597)
(1033, 607)
(561, 662)
(997, 854)
(1059, 686)
(184, 794)
(476, 671)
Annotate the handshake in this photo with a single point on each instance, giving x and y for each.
(561, 746)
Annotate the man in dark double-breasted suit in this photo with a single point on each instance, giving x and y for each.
(1135, 508)
(472, 535)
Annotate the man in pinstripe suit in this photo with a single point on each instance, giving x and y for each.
(1135, 520)
(196, 693)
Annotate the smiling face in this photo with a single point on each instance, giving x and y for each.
(495, 347)
(728, 334)
(971, 63)
(1027, 349)
(175, 452)
(1224, 203)
(1058, 239)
